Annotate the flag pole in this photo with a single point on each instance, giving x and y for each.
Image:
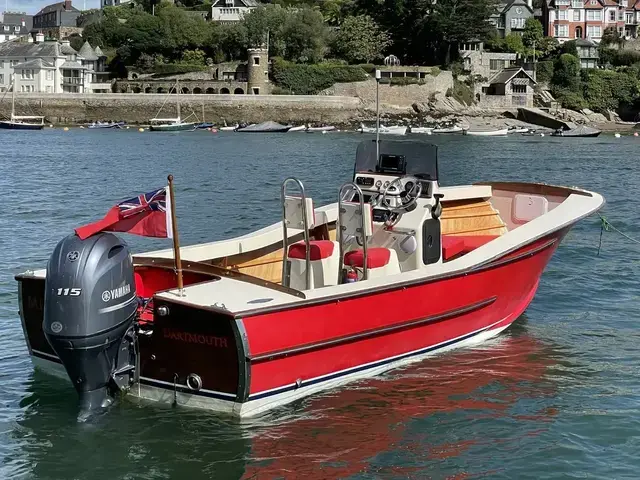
(176, 240)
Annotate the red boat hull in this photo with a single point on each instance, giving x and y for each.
(310, 345)
(273, 356)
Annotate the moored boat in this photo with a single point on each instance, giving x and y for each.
(452, 129)
(321, 129)
(422, 130)
(301, 306)
(393, 130)
(580, 131)
(265, 127)
(176, 124)
(299, 128)
(487, 133)
(106, 125)
(21, 122)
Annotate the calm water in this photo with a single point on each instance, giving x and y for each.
(556, 396)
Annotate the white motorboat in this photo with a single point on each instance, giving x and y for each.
(326, 128)
(300, 128)
(453, 129)
(487, 133)
(395, 270)
(228, 128)
(423, 130)
(518, 130)
(394, 130)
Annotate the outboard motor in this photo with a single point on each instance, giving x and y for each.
(90, 306)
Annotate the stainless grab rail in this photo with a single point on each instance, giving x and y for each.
(286, 276)
(343, 228)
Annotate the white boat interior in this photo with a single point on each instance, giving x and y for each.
(393, 224)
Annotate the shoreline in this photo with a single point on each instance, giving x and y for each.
(344, 112)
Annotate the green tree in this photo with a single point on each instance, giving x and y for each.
(566, 72)
(452, 22)
(533, 33)
(305, 36)
(193, 57)
(513, 43)
(360, 39)
(611, 37)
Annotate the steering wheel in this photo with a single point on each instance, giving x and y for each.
(410, 189)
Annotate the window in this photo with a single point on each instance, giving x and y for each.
(594, 31)
(256, 60)
(14, 63)
(519, 88)
(561, 31)
(49, 89)
(577, 4)
(629, 18)
(6, 28)
(576, 15)
(517, 22)
(593, 2)
(594, 15)
(612, 15)
(621, 15)
(256, 91)
(49, 75)
(562, 2)
(496, 64)
(562, 15)
(2, 78)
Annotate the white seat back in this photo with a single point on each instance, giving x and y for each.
(293, 212)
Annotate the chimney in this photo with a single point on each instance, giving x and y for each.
(24, 24)
(67, 5)
(39, 37)
(530, 4)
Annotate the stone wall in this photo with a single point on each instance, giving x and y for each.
(506, 101)
(139, 108)
(394, 97)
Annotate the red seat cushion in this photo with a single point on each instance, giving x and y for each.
(318, 249)
(453, 246)
(376, 257)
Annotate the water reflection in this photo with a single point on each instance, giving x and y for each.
(411, 422)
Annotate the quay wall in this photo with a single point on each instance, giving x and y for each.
(139, 108)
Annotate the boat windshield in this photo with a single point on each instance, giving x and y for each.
(398, 158)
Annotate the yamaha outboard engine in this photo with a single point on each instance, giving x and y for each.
(89, 312)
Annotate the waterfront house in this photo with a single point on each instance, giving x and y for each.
(57, 20)
(478, 62)
(15, 25)
(587, 53)
(229, 11)
(52, 67)
(511, 16)
(512, 87)
(113, 3)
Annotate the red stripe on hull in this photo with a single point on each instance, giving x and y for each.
(282, 343)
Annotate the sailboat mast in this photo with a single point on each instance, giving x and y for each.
(13, 98)
(178, 98)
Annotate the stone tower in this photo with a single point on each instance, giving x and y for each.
(258, 71)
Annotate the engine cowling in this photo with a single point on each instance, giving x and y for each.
(90, 307)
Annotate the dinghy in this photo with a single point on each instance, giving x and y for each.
(326, 128)
(300, 128)
(265, 127)
(487, 133)
(581, 131)
(453, 129)
(396, 269)
(423, 130)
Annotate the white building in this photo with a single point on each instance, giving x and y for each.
(113, 3)
(52, 67)
(14, 25)
(231, 10)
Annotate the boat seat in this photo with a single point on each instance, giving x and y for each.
(323, 255)
(458, 245)
(380, 261)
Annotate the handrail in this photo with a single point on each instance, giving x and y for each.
(286, 277)
(342, 228)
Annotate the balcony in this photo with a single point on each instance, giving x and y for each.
(72, 80)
